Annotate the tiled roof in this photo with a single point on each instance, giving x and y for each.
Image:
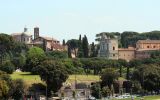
(58, 46)
(48, 38)
(148, 41)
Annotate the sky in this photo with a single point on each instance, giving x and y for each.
(66, 19)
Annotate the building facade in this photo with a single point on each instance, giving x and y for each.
(46, 43)
(24, 37)
(108, 47)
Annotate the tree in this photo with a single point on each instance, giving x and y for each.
(64, 43)
(106, 91)
(72, 45)
(3, 89)
(108, 76)
(148, 76)
(85, 46)
(17, 89)
(35, 56)
(80, 49)
(54, 74)
(6, 44)
(96, 90)
(7, 67)
(155, 54)
(19, 61)
(93, 51)
(57, 54)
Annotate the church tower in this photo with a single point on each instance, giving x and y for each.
(36, 32)
(108, 47)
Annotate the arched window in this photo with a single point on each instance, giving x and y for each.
(113, 48)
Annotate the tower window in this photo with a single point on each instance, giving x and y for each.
(113, 48)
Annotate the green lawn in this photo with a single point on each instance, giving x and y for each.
(157, 97)
(27, 77)
(30, 79)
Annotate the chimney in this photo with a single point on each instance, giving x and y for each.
(36, 32)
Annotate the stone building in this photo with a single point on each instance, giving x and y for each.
(126, 53)
(46, 43)
(108, 47)
(24, 37)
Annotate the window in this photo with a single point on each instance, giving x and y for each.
(154, 46)
(147, 46)
(113, 48)
(113, 55)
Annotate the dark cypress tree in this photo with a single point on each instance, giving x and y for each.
(93, 51)
(80, 39)
(85, 46)
(64, 43)
(80, 49)
(69, 52)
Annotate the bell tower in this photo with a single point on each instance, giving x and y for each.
(36, 32)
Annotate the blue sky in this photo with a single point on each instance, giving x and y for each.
(66, 19)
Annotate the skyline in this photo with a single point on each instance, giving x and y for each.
(67, 19)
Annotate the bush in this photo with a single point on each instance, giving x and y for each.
(8, 67)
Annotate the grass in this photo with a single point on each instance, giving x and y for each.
(27, 77)
(30, 79)
(156, 97)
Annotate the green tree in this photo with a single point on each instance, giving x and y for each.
(64, 43)
(93, 51)
(85, 46)
(106, 91)
(4, 89)
(54, 74)
(80, 49)
(57, 54)
(17, 89)
(35, 56)
(96, 90)
(148, 76)
(8, 67)
(108, 76)
(72, 45)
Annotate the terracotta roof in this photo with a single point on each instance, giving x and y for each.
(148, 41)
(48, 38)
(57, 46)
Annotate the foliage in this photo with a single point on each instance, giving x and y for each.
(35, 56)
(93, 50)
(57, 54)
(148, 76)
(85, 46)
(17, 89)
(155, 54)
(7, 67)
(96, 90)
(4, 89)
(108, 77)
(72, 45)
(106, 91)
(54, 74)
(19, 61)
